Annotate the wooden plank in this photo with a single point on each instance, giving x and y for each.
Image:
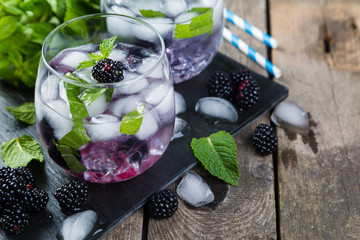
(318, 173)
(243, 212)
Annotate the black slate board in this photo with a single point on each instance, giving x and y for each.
(114, 202)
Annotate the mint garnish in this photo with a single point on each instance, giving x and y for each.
(76, 138)
(24, 113)
(199, 25)
(18, 152)
(71, 161)
(105, 49)
(131, 122)
(218, 155)
(151, 13)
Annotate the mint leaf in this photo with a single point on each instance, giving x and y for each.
(218, 155)
(85, 64)
(71, 161)
(151, 13)
(91, 94)
(8, 25)
(200, 10)
(107, 46)
(199, 25)
(95, 56)
(24, 113)
(108, 94)
(76, 138)
(77, 107)
(73, 77)
(20, 151)
(131, 122)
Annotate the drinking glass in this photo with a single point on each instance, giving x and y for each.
(104, 130)
(191, 29)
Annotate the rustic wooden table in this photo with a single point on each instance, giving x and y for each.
(310, 188)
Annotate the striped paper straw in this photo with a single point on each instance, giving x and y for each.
(249, 51)
(250, 29)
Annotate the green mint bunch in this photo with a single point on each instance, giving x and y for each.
(31, 21)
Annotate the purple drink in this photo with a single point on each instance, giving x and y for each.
(105, 132)
(191, 29)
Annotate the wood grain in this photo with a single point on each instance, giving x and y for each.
(319, 173)
(246, 211)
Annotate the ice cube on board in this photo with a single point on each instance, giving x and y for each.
(179, 126)
(173, 8)
(78, 225)
(194, 190)
(291, 116)
(217, 108)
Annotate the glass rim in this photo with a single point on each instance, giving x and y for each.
(212, 7)
(98, 84)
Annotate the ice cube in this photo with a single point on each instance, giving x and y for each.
(131, 85)
(117, 26)
(78, 226)
(125, 105)
(117, 54)
(149, 125)
(147, 64)
(194, 190)
(217, 108)
(50, 88)
(173, 8)
(185, 17)
(218, 12)
(103, 127)
(291, 116)
(59, 117)
(179, 127)
(73, 58)
(62, 91)
(98, 106)
(180, 104)
(156, 92)
(167, 104)
(162, 25)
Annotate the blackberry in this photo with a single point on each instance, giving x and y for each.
(35, 200)
(72, 196)
(264, 139)
(108, 71)
(14, 219)
(219, 85)
(162, 204)
(25, 175)
(247, 89)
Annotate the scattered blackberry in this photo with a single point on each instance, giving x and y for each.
(108, 71)
(264, 139)
(35, 200)
(162, 204)
(247, 90)
(219, 85)
(72, 196)
(14, 219)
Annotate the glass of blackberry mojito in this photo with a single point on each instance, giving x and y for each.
(104, 101)
(191, 29)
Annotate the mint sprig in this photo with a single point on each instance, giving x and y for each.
(199, 25)
(131, 122)
(24, 113)
(18, 152)
(105, 49)
(218, 155)
(151, 13)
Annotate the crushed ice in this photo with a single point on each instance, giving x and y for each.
(194, 190)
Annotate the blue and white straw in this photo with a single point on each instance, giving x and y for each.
(249, 51)
(250, 29)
